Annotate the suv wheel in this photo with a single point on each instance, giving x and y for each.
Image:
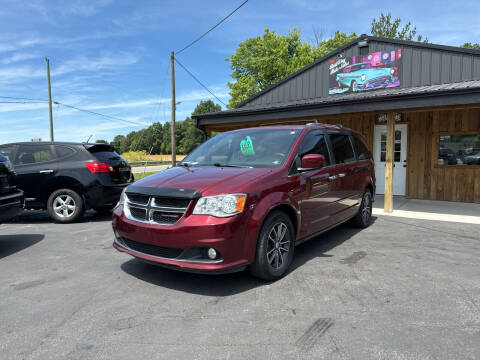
(275, 246)
(65, 205)
(362, 219)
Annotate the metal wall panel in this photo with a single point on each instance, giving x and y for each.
(419, 66)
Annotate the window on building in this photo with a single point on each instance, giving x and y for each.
(459, 149)
(342, 149)
(31, 154)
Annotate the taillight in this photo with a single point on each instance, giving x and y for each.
(98, 167)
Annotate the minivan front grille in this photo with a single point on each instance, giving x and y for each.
(155, 210)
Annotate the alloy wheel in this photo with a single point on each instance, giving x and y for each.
(367, 207)
(278, 246)
(64, 206)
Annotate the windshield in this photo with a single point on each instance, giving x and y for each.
(247, 148)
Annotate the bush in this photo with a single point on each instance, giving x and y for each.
(135, 156)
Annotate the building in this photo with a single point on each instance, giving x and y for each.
(417, 104)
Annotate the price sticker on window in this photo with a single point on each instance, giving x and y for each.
(246, 146)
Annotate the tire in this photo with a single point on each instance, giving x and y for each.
(65, 206)
(270, 262)
(364, 215)
(104, 208)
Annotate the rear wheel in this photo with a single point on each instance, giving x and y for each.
(364, 216)
(65, 205)
(275, 246)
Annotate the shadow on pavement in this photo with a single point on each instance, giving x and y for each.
(230, 284)
(42, 217)
(10, 244)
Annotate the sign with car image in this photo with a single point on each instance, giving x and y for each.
(372, 71)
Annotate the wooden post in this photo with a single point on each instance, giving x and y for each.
(388, 203)
(174, 104)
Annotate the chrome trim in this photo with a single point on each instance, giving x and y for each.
(150, 210)
(164, 258)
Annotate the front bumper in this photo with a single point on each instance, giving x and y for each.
(11, 205)
(226, 236)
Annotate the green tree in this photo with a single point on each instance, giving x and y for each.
(119, 143)
(475, 46)
(101, 141)
(264, 60)
(206, 106)
(384, 26)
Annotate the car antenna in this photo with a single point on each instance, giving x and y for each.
(89, 138)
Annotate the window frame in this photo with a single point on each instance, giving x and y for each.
(294, 169)
(332, 152)
(436, 151)
(52, 151)
(354, 138)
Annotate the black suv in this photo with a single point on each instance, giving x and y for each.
(68, 178)
(11, 199)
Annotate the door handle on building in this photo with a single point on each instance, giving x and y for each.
(49, 171)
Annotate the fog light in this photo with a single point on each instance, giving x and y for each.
(212, 254)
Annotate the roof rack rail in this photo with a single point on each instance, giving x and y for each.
(290, 121)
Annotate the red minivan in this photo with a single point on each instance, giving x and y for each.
(245, 198)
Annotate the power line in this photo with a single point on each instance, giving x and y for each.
(22, 102)
(193, 76)
(99, 114)
(21, 98)
(216, 25)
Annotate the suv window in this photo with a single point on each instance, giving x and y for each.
(360, 148)
(32, 154)
(6, 150)
(342, 148)
(64, 151)
(315, 143)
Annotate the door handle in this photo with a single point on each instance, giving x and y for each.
(49, 171)
(341, 175)
(333, 177)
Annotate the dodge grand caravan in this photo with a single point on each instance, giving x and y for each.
(245, 198)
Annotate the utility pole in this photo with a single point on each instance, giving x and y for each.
(49, 98)
(174, 146)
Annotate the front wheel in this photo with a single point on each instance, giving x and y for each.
(65, 205)
(275, 246)
(364, 215)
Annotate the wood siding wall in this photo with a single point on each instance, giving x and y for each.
(425, 179)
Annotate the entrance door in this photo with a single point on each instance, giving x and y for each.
(399, 158)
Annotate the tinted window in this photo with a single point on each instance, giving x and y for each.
(64, 151)
(342, 149)
(360, 148)
(315, 143)
(31, 154)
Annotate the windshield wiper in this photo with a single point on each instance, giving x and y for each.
(228, 165)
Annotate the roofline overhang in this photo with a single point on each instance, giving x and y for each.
(385, 103)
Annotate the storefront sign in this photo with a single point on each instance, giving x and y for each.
(376, 70)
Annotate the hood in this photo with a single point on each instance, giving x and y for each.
(209, 180)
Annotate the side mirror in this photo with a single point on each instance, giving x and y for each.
(312, 161)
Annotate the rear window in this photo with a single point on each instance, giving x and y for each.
(342, 148)
(64, 151)
(32, 154)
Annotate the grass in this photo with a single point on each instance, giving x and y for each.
(139, 176)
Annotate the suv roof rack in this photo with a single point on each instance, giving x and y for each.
(290, 121)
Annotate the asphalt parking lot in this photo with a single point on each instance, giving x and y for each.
(401, 289)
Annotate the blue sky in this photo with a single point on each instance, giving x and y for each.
(113, 56)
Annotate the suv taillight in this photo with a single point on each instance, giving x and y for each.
(98, 167)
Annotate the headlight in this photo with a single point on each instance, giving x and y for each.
(363, 77)
(122, 198)
(220, 205)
